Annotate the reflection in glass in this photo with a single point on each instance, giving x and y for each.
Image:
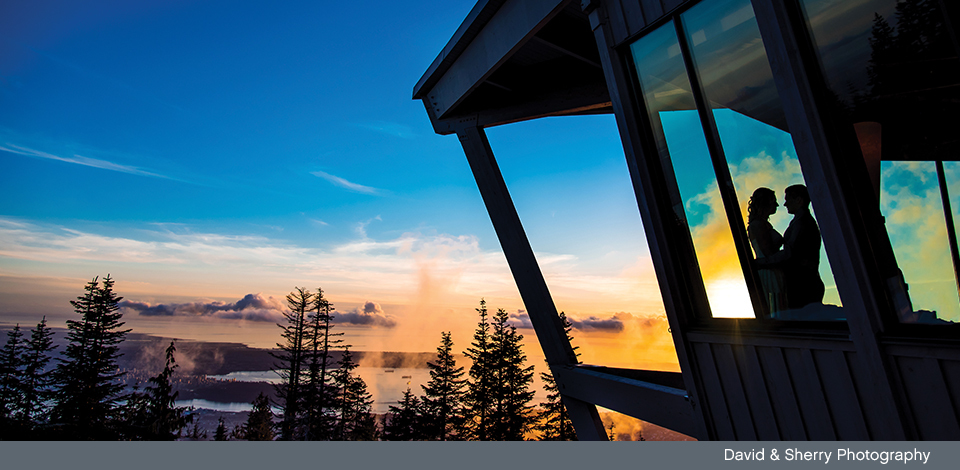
(911, 202)
(892, 70)
(951, 171)
(731, 61)
(681, 143)
(738, 86)
(892, 62)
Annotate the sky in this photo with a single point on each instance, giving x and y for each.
(212, 156)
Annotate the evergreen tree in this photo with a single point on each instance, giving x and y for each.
(364, 421)
(511, 413)
(88, 376)
(259, 425)
(292, 355)
(196, 433)
(478, 399)
(553, 423)
(238, 433)
(443, 395)
(165, 420)
(405, 421)
(355, 422)
(221, 433)
(11, 390)
(320, 391)
(36, 381)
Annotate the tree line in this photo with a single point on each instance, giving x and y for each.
(82, 397)
(492, 401)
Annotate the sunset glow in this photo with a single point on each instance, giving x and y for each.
(210, 183)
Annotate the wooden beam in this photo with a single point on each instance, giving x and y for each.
(509, 28)
(526, 271)
(592, 98)
(658, 404)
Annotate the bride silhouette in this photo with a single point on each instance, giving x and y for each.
(766, 241)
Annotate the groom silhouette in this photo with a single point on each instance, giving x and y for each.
(800, 257)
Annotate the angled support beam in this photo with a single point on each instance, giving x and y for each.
(659, 223)
(658, 404)
(526, 272)
(849, 248)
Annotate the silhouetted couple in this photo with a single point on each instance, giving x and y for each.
(789, 264)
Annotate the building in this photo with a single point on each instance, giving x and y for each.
(858, 100)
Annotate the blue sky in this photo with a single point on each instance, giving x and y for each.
(203, 152)
(216, 112)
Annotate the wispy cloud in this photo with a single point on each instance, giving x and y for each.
(362, 227)
(432, 269)
(389, 128)
(79, 160)
(338, 181)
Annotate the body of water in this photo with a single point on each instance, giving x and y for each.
(386, 386)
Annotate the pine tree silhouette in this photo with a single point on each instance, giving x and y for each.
(320, 391)
(355, 422)
(553, 423)
(292, 354)
(443, 395)
(221, 433)
(259, 425)
(404, 421)
(512, 408)
(164, 420)
(85, 404)
(11, 390)
(479, 397)
(37, 380)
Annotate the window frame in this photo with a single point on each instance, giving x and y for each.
(701, 315)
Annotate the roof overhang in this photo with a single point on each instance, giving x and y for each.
(514, 60)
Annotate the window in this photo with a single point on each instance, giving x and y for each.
(892, 69)
(681, 141)
(721, 134)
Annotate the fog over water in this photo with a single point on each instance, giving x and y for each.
(386, 386)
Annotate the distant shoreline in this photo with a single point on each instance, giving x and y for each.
(142, 351)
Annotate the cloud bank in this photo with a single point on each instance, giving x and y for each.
(252, 307)
(370, 314)
(614, 324)
(256, 307)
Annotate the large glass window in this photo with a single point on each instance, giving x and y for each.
(683, 147)
(911, 199)
(738, 86)
(893, 72)
(734, 188)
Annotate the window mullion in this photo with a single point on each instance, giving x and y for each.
(724, 179)
(951, 229)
